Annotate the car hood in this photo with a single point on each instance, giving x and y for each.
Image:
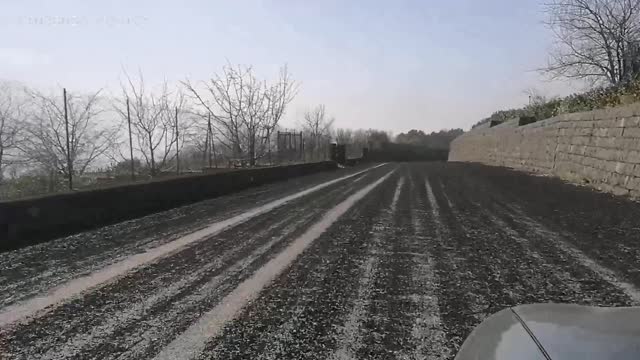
(556, 331)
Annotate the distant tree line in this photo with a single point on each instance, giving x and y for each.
(434, 140)
(57, 140)
(48, 139)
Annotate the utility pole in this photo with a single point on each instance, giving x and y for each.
(269, 145)
(213, 150)
(177, 147)
(278, 148)
(210, 144)
(66, 123)
(133, 170)
(205, 153)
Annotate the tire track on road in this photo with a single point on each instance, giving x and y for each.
(580, 275)
(36, 269)
(30, 307)
(58, 328)
(350, 338)
(405, 272)
(497, 269)
(524, 275)
(460, 310)
(194, 340)
(603, 227)
(539, 231)
(297, 315)
(402, 313)
(427, 331)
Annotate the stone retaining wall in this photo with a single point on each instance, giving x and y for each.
(600, 148)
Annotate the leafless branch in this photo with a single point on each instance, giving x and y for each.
(245, 110)
(45, 140)
(596, 40)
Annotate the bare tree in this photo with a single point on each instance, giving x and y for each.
(252, 110)
(12, 111)
(596, 40)
(375, 139)
(344, 136)
(198, 140)
(221, 98)
(153, 116)
(178, 119)
(278, 97)
(360, 139)
(317, 126)
(535, 96)
(245, 110)
(45, 143)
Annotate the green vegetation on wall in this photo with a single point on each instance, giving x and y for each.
(598, 98)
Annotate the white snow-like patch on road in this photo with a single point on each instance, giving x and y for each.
(605, 273)
(350, 338)
(427, 329)
(193, 341)
(56, 296)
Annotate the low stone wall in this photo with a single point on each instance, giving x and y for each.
(600, 148)
(31, 221)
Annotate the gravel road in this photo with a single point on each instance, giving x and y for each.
(394, 261)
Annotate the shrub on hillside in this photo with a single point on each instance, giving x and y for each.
(597, 98)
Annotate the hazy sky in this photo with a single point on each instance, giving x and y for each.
(393, 65)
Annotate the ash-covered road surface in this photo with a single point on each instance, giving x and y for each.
(398, 261)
